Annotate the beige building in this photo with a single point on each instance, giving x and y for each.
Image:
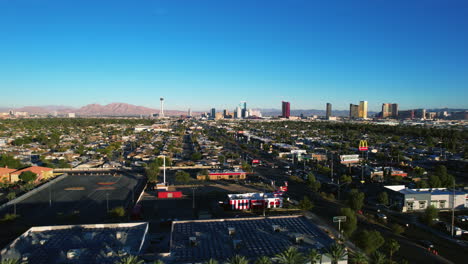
(353, 111)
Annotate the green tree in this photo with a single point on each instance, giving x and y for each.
(196, 156)
(383, 198)
(10, 162)
(397, 229)
(359, 258)
(378, 258)
(130, 260)
(117, 212)
(27, 176)
(369, 241)
(152, 171)
(237, 259)
(211, 261)
(182, 177)
(11, 261)
(11, 195)
(419, 171)
(351, 221)
(434, 181)
(305, 204)
(345, 179)
(290, 256)
(429, 214)
(336, 252)
(392, 246)
(356, 199)
(312, 182)
(314, 256)
(246, 167)
(263, 260)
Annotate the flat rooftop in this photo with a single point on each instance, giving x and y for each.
(100, 243)
(433, 191)
(251, 237)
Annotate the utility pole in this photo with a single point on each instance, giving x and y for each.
(332, 166)
(453, 209)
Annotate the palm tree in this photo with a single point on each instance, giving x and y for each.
(314, 256)
(336, 252)
(263, 260)
(378, 258)
(359, 258)
(237, 259)
(392, 246)
(130, 260)
(211, 261)
(11, 261)
(290, 256)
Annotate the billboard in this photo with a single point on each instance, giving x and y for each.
(346, 159)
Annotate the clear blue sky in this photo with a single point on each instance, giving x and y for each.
(203, 54)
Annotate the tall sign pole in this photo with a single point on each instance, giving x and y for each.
(339, 219)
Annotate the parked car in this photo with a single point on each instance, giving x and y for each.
(462, 218)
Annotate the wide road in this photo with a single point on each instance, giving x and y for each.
(85, 198)
(325, 209)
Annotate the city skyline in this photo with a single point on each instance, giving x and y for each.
(211, 54)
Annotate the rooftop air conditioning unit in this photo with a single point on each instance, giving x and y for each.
(193, 241)
(299, 239)
(237, 244)
(231, 231)
(73, 253)
(276, 228)
(25, 257)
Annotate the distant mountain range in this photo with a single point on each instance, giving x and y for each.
(113, 109)
(123, 109)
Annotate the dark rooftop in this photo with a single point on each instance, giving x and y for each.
(100, 243)
(200, 240)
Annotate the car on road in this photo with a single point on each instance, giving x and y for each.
(427, 244)
(381, 216)
(462, 218)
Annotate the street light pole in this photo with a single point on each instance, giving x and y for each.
(50, 196)
(164, 169)
(453, 209)
(107, 201)
(193, 198)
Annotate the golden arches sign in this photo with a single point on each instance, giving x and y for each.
(363, 145)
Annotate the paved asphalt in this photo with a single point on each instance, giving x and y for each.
(85, 196)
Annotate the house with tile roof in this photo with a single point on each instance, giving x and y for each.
(41, 172)
(5, 174)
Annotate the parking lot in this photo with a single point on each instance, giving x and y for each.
(77, 199)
